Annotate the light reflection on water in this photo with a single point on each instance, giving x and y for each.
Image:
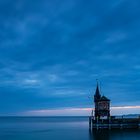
(54, 128)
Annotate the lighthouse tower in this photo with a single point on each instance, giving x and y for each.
(102, 105)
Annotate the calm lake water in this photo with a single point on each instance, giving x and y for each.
(55, 128)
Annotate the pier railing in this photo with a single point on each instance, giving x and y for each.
(112, 123)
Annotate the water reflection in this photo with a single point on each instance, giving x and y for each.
(100, 135)
(114, 134)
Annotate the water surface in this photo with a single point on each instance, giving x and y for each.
(55, 128)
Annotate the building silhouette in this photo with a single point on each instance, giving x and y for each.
(103, 120)
(102, 105)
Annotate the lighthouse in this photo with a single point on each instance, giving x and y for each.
(102, 105)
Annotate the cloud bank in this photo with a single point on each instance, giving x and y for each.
(52, 52)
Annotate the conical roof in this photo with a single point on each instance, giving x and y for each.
(97, 95)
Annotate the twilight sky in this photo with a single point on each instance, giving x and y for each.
(52, 52)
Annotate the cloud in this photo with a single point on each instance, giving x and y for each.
(120, 110)
(57, 50)
(53, 78)
(116, 37)
(30, 81)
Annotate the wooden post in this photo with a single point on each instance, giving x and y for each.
(97, 126)
(90, 123)
(139, 122)
(122, 122)
(109, 123)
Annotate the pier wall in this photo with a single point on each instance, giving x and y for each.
(114, 123)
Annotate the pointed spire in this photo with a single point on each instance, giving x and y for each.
(97, 95)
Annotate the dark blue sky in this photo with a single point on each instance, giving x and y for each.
(52, 52)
